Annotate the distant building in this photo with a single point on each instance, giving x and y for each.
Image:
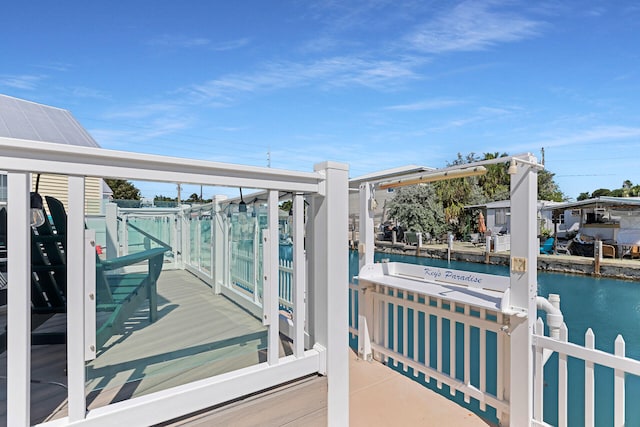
(498, 216)
(610, 219)
(23, 119)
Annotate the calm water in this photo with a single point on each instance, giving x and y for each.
(609, 307)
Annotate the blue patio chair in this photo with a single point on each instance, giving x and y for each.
(547, 246)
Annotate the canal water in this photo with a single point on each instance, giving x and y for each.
(608, 306)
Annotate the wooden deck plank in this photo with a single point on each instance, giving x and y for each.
(197, 335)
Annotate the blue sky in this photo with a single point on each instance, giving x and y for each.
(376, 84)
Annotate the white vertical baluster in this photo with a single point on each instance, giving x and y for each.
(538, 374)
(439, 342)
(385, 322)
(427, 334)
(619, 396)
(562, 380)
(416, 316)
(394, 307)
(452, 346)
(467, 352)
(405, 328)
(589, 383)
(483, 359)
(500, 363)
(299, 275)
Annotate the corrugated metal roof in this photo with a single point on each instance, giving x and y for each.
(601, 201)
(28, 120)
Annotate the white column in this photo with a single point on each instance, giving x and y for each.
(18, 300)
(329, 286)
(366, 246)
(75, 300)
(523, 291)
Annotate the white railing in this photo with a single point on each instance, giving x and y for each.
(325, 189)
(437, 336)
(621, 365)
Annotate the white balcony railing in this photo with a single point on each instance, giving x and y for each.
(318, 269)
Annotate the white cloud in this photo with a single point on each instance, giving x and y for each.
(432, 104)
(23, 81)
(471, 26)
(178, 41)
(600, 134)
(337, 71)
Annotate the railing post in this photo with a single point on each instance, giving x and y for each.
(76, 300)
(328, 286)
(366, 240)
(523, 291)
(19, 301)
(218, 240)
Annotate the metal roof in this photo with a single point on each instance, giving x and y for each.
(28, 120)
(602, 201)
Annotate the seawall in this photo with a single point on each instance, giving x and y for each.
(626, 269)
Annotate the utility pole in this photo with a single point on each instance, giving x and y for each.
(542, 160)
(179, 195)
(269, 157)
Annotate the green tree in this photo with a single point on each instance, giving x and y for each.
(548, 189)
(601, 192)
(495, 183)
(123, 190)
(417, 208)
(584, 196)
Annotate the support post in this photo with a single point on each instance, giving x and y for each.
(218, 239)
(75, 300)
(597, 257)
(328, 285)
(366, 245)
(523, 292)
(18, 301)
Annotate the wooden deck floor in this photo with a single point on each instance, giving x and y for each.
(197, 335)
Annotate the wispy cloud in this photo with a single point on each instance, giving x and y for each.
(326, 73)
(470, 26)
(230, 44)
(432, 104)
(174, 41)
(600, 134)
(178, 41)
(86, 92)
(141, 111)
(23, 81)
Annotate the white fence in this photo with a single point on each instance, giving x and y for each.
(453, 345)
(621, 365)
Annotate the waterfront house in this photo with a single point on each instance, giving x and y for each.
(612, 220)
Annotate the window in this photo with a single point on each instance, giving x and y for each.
(501, 216)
